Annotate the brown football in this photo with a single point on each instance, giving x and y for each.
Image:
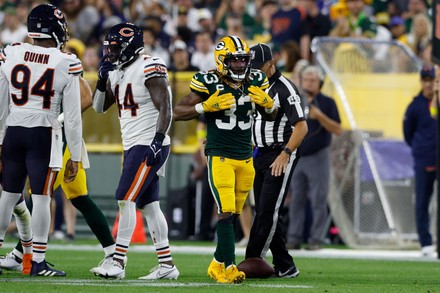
(255, 267)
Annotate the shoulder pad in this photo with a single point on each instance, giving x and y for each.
(201, 79)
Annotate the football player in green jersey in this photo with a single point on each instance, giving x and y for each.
(228, 95)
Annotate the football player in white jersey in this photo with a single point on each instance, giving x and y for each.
(139, 85)
(38, 79)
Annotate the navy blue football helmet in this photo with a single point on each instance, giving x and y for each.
(46, 21)
(123, 43)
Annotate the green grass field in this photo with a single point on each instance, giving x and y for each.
(317, 275)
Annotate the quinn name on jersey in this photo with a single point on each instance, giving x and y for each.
(137, 113)
(40, 79)
(225, 128)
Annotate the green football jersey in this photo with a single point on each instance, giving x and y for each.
(229, 131)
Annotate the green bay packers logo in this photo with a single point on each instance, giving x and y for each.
(220, 46)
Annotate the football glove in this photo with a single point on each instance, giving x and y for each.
(153, 155)
(260, 97)
(218, 102)
(105, 67)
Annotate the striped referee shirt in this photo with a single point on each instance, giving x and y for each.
(290, 111)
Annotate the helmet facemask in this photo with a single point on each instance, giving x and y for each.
(113, 51)
(237, 65)
(61, 44)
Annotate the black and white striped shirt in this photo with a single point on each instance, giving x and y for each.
(290, 111)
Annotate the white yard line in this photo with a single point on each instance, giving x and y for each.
(136, 283)
(404, 255)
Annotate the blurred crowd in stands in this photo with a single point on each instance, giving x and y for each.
(183, 32)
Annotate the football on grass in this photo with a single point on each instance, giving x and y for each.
(255, 267)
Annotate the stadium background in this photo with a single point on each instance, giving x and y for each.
(377, 98)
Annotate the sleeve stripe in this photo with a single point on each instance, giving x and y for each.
(198, 85)
(265, 84)
(195, 81)
(149, 70)
(75, 64)
(156, 74)
(198, 89)
(154, 64)
(76, 68)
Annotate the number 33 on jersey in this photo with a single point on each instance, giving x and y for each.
(229, 128)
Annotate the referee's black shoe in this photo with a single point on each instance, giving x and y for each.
(292, 272)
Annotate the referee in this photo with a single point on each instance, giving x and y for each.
(275, 158)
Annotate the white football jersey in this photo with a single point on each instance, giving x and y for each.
(137, 113)
(41, 81)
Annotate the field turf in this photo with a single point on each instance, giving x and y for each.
(317, 274)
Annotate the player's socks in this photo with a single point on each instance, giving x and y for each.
(8, 200)
(18, 246)
(23, 220)
(127, 223)
(109, 250)
(226, 240)
(40, 225)
(95, 219)
(218, 253)
(158, 227)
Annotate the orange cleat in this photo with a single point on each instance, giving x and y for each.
(26, 263)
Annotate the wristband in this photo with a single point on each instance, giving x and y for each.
(199, 108)
(287, 151)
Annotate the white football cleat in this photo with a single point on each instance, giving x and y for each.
(10, 262)
(162, 271)
(104, 264)
(429, 251)
(112, 270)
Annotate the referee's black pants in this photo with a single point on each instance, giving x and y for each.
(270, 192)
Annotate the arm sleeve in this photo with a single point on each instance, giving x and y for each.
(72, 117)
(98, 101)
(4, 104)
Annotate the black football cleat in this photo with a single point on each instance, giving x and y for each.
(41, 269)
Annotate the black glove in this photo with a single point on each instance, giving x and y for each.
(105, 67)
(153, 155)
